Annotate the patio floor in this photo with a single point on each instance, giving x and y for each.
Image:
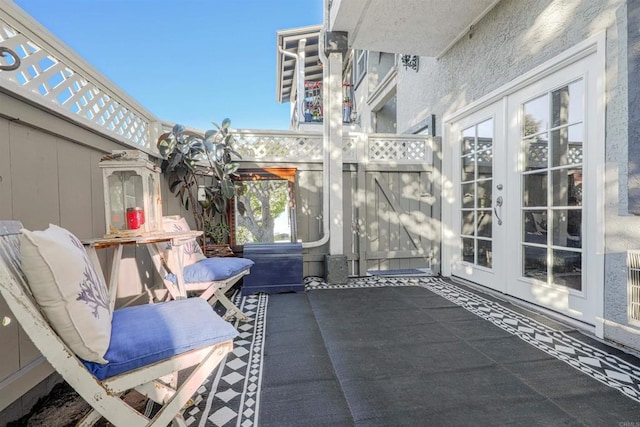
(384, 351)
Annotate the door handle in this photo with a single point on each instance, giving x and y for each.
(495, 209)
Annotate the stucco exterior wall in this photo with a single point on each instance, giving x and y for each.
(510, 40)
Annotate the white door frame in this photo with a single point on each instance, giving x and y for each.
(593, 250)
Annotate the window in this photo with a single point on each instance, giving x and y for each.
(360, 65)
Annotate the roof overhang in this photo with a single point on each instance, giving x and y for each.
(289, 41)
(413, 27)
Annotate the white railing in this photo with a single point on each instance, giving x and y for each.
(51, 75)
(278, 146)
(291, 147)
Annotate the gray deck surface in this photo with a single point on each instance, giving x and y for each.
(406, 356)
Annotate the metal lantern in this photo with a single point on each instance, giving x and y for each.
(132, 201)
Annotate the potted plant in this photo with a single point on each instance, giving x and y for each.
(216, 234)
(200, 170)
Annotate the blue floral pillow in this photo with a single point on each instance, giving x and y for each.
(71, 293)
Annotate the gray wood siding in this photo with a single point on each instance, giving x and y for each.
(49, 176)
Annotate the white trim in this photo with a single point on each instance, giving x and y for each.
(384, 91)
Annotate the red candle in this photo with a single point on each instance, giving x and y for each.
(135, 218)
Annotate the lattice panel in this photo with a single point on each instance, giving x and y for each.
(279, 147)
(45, 76)
(349, 150)
(397, 149)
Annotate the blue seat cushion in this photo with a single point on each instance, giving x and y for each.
(148, 333)
(212, 269)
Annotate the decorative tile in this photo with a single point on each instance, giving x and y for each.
(229, 397)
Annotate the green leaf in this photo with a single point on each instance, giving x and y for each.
(174, 186)
(226, 123)
(227, 188)
(210, 134)
(208, 146)
(231, 168)
(205, 203)
(235, 153)
(166, 147)
(175, 160)
(218, 170)
(240, 207)
(178, 129)
(219, 204)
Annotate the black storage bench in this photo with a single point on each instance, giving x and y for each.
(277, 268)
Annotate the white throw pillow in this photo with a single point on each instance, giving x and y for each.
(192, 251)
(70, 292)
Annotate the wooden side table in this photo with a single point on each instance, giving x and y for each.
(177, 240)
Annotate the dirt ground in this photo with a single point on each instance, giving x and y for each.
(63, 407)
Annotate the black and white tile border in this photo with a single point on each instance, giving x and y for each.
(600, 365)
(232, 395)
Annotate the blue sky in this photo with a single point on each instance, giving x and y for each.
(186, 61)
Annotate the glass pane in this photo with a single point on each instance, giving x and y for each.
(536, 115)
(485, 253)
(483, 194)
(566, 145)
(468, 146)
(534, 263)
(484, 223)
(567, 228)
(468, 220)
(485, 149)
(468, 250)
(536, 153)
(468, 168)
(575, 187)
(567, 269)
(468, 194)
(485, 164)
(535, 227)
(567, 187)
(468, 140)
(535, 190)
(485, 133)
(560, 106)
(484, 146)
(566, 104)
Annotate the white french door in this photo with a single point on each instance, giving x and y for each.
(478, 217)
(526, 185)
(555, 163)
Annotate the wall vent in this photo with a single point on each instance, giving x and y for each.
(633, 285)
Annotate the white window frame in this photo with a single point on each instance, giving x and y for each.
(361, 58)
